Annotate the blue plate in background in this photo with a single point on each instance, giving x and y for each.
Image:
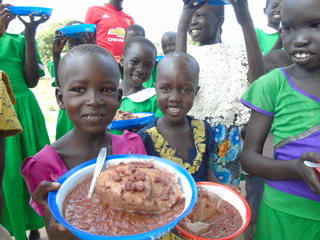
(25, 11)
(143, 119)
(75, 31)
(211, 2)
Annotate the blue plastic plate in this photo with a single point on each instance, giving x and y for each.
(211, 2)
(77, 174)
(143, 119)
(159, 58)
(25, 11)
(75, 31)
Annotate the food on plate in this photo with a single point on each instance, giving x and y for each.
(129, 198)
(212, 216)
(123, 115)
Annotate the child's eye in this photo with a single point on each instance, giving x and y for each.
(186, 90)
(286, 29)
(107, 90)
(134, 62)
(165, 89)
(77, 89)
(149, 66)
(315, 25)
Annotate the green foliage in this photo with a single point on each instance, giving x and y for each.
(44, 38)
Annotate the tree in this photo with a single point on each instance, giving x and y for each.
(44, 39)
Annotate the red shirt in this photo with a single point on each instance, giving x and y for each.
(111, 26)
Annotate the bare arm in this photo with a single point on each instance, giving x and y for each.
(255, 58)
(252, 160)
(184, 21)
(31, 67)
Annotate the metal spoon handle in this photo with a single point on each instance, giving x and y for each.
(99, 164)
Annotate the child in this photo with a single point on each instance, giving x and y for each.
(137, 61)
(64, 125)
(287, 102)
(91, 98)
(134, 30)
(225, 70)
(9, 126)
(268, 36)
(19, 58)
(176, 87)
(168, 42)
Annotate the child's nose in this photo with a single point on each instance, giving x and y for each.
(175, 96)
(95, 98)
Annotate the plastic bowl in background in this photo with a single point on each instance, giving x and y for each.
(25, 11)
(143, 119)
(230, 196)
(79, 173)
(210, 2)
(76, 31)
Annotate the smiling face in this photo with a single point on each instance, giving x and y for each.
(273, 12)
(301, 32)
(89, 94)
(205, 24)
(176, 86)
(168, 42)
(137, 63)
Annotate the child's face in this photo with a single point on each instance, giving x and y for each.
(89, 91)
(176, 88)
(205, 25)
(301, 32)
(168, 44)
(273, 11)
(137, 64)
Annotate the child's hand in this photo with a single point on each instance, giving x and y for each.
(5, 17)
(310, 175)
(41, 193)
(241, 10)
(31, 27)
(189, 8)
(58, 43)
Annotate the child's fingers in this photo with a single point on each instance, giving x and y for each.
(310, 156)
(55, 226)
(41, 192)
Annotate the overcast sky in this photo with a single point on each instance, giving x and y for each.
(156, 16)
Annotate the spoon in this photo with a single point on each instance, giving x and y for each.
(99, 164)
(312, 164)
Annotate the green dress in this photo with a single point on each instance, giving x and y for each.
(267, 37)
(17, 215)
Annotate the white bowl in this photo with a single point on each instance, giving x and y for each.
(230, 196)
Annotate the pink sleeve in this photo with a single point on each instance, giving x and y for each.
(127, 143)
(45, 165)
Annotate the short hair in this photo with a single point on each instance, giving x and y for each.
(90, 49)
(142, 40)
(187, 59)
(136, 27)
(75, 22)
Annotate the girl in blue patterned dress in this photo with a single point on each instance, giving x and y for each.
(176, 136)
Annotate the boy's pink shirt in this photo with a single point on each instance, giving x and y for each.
(48, 165)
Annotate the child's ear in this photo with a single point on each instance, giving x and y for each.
(121, 60)
(197, 90)
(59, 98)
(220, 21)
(119, 96)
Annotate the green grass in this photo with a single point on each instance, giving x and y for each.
(45, 95)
